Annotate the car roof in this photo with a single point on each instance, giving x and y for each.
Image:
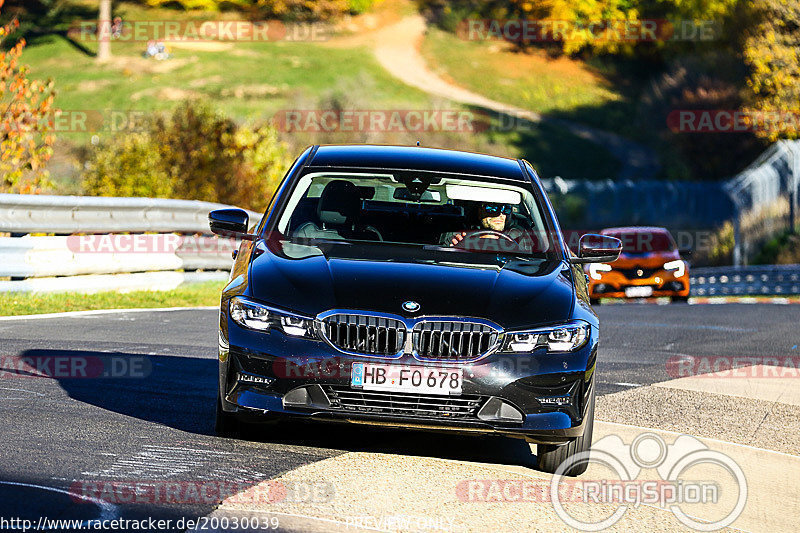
(417, 158)
(635, 229)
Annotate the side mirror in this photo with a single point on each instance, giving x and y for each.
(685, 252)
(230, 223)
(597, 249)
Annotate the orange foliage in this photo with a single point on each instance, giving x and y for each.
(26, 121)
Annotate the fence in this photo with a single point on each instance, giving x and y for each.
(767, 280)
(678, 205)
(761, 201)
(102, 257)
(765, 196)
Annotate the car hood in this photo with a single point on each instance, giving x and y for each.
(511, 292)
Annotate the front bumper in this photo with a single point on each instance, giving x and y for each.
(538, 396)
(613, 284)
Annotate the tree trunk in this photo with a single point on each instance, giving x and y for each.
(104, 31)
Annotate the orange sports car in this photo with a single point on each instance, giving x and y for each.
(650, 265)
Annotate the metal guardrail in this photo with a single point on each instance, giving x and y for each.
(766, 280)
(89, 258)
(139, 281)
(36, 257)
(27, 213)
(108, 243)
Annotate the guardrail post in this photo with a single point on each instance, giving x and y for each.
(737, 241)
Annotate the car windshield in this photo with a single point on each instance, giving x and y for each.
(420, 210)
(642, 242)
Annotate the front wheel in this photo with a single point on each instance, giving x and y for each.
(680, 299)
(550, 456)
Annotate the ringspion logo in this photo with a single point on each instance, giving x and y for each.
(686, 472)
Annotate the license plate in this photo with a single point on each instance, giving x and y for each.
(378, 377)
(638, 292)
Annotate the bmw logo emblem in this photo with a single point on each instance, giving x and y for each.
(411, 306)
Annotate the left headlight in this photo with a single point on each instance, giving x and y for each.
(563, 338)
(260, 317)
(595, 270)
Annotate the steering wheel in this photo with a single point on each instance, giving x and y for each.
(470, 240)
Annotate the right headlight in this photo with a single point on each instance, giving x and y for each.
(260, 317)
(562, 338)
(678, 266)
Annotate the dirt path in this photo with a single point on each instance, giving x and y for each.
(397, 49)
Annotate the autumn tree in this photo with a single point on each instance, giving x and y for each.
(26, 123)
(772, 53)
(283, 9)
(194, 153)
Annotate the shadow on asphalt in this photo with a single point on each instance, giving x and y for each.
(179, 392)
(363, 438)
(28, 498)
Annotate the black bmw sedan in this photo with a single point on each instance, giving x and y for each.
(413, 287)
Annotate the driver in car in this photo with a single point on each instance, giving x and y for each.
(492, 217)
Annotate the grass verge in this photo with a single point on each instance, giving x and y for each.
(190, 295)
(245, 79)
(527, 80)
(253, 81)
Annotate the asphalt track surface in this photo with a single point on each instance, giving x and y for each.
(158, 425)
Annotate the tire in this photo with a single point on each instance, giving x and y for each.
(594, 301)
(550, 456)
(683, 299)
(226, 425)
